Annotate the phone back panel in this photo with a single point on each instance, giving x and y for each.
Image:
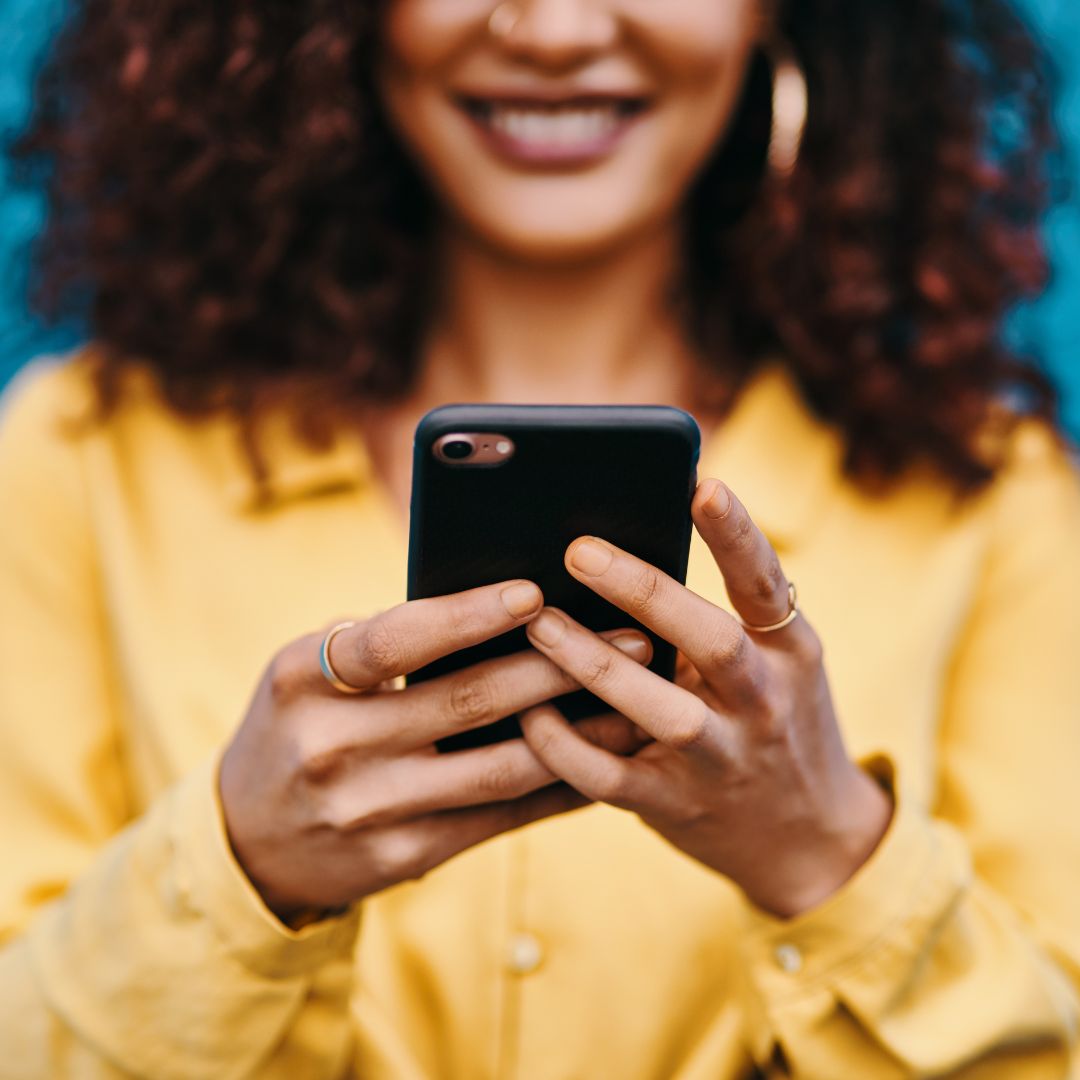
(626, 474)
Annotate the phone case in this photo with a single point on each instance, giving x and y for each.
(623, 473)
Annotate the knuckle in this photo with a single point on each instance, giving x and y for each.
(771, 725)
(598, 669)
(288, 671)
(645, 590)
(401, 855)
(543, 737)
(381, 650)
(321, 765)
(499, 780)
(690, 730)
(755, 687)
(610, 783)
(472, 699)
(693, 812)
(368, 815)
(728, 647)
(769, 582)
(771, 728)
(341, 813)
(740, 532)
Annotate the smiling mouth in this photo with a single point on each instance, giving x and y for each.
(554, 131)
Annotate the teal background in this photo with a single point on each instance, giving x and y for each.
(1052, 325)
(25, 28)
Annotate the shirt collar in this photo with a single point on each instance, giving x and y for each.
(773, 453)
(294, 470)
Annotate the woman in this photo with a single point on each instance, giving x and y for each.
(304, 225)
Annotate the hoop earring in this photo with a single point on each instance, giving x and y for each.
(502, 21)
(790, 108)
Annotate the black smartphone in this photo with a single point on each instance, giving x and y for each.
(500, 491)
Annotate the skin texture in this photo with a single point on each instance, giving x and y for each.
(748, 773)
(691, 55)
(554, 287)
(555, 284)
(331, 797)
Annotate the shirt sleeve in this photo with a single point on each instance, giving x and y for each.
(127, 946)
(955, 951)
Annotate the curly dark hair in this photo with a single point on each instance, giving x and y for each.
(228, 204)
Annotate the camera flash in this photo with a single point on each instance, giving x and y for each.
(503, 446)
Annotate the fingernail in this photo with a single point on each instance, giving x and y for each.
(547, 628)
(718, 503)
(590, 557)
(521, 599)
(637, 648)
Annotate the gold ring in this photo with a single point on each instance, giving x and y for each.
(332, 677)
(498, 24)
(787, 620)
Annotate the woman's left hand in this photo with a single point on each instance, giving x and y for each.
(747, 771)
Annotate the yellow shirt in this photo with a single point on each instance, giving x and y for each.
(142, 592)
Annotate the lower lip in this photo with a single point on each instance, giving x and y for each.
(530, 152)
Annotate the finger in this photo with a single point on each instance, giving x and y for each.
(488, 774)
(755, 580)
(498, 773)
(413, 634)
(715, 642)
(687, 675)
(668, 713)
(396, 683)
(590, 769)
(613, 733)
(410, 849)
(474, 697)
(454, 831)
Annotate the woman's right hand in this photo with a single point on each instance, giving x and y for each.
(330, 797)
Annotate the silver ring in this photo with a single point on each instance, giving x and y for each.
(332, 677)
(787, 620)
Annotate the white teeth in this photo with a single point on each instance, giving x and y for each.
(555, 127)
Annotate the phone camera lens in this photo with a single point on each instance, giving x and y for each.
(457, 449)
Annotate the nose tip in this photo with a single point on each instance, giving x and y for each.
(558, 32)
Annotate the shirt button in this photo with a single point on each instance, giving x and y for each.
(525, 954)
(788, 958)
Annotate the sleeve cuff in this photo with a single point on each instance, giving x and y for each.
(219, 890)
(894, 898)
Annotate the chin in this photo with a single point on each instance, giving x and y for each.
(553, 242)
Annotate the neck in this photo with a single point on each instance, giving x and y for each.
(597, 331)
